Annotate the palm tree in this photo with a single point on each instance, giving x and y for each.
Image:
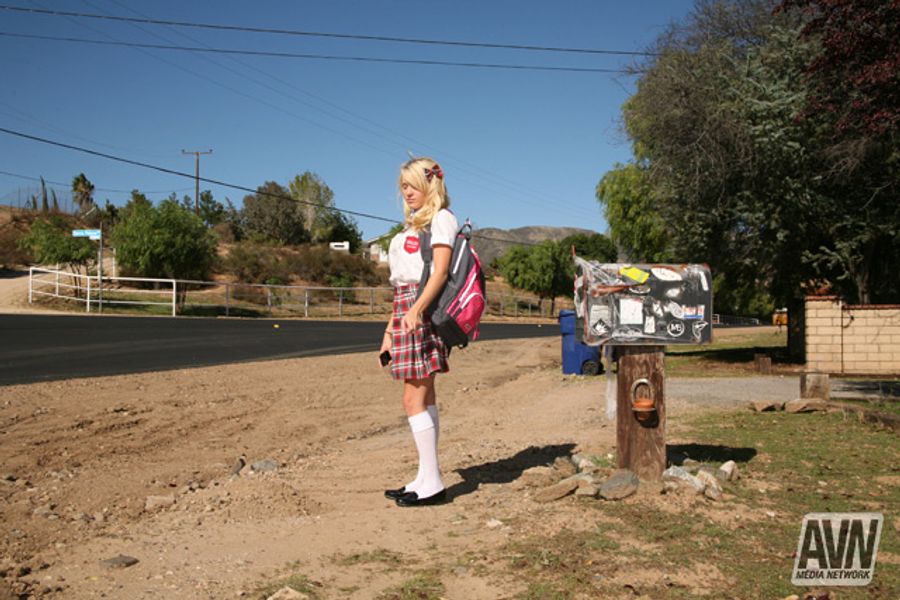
(83, 192)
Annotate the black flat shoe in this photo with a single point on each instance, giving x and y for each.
(394, 494)
(412, 499)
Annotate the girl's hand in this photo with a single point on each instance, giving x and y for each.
(411, 320)
(386, 343)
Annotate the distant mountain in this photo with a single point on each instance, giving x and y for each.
(488, 249)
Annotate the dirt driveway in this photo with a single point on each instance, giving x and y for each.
(79, 459)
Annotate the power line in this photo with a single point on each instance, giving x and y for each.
(179, 173)
(378, 38)
(97, 189)
(488, 179)
(221, 183)
(407, 61)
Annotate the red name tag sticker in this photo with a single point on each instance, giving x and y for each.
(411, 245)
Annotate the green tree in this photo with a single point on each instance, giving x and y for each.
(50, 242)
(165, 241)
(271, 214)
(233, 219)
(853, 98)
(315, 199)
(635, 222)
(334, 226)
(591, 246)
(137, 202)
(723, 171)
(546, 269)
(212, 212)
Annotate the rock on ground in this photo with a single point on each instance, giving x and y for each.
(804, 405)
(119, 562)
(680, 475)
(621, 484)
(159, 502)
(287, 593)
(555, 492)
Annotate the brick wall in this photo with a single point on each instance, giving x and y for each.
(842, 338)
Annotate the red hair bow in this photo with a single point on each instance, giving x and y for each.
(434, 171)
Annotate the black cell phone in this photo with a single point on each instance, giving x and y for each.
(385, 358)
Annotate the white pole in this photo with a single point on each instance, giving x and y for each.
(100, 268)
(174, 285)
(30, 284)
(88, 295)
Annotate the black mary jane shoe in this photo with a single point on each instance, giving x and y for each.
(412, 499)
(394, 494)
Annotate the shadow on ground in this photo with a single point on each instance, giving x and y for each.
(676, 454)
(508, 469)
(872, 387)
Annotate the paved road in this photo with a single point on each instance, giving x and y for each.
(46, 347)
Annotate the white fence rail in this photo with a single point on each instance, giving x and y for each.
(209, 298)
(91, 290)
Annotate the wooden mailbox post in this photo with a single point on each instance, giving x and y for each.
(640, 438)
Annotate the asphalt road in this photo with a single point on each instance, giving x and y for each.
(46, 347)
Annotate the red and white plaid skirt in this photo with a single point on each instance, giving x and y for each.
(419, 353)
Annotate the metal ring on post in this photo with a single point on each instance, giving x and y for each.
(644, 408)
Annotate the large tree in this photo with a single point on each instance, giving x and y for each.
(636, 227)
(211, 211)
(736, 170)
(165, 241)
(315, 199)
(547, 269)
(334, 226)
(854, 97)
(271, 214)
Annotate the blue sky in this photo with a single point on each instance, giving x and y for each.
(518, 147)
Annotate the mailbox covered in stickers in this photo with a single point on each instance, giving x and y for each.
(638, 304)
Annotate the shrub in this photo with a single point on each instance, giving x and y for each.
(250, 262)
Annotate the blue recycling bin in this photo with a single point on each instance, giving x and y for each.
(577, 358)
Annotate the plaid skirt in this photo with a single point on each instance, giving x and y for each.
(419, 353)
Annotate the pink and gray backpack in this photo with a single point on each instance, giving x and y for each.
(457, 311)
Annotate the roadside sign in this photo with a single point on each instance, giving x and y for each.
(94, 234)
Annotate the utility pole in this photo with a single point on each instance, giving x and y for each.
(196, 154)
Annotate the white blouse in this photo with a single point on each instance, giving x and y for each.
(404, 257)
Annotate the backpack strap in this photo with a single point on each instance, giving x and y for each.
(427, 255)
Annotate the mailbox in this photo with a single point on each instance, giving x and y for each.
(643, 304)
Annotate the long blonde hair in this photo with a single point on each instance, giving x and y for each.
(425, 175)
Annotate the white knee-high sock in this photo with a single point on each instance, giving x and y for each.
(425, 435)
(432, 409)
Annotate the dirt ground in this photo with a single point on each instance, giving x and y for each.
(78, 460)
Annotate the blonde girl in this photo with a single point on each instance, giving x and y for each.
(416, 351)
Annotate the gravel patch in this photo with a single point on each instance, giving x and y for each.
(731, 391)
